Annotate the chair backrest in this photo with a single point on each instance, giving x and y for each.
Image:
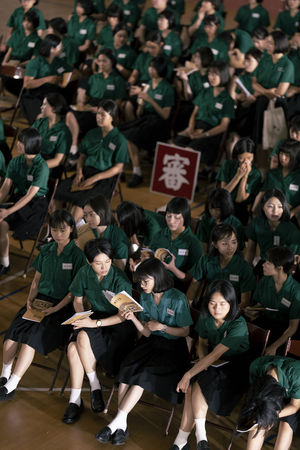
(258, 338)
(292, 347)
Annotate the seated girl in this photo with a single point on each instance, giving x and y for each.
(114, 17)
(81, 27)
(56, 267)
(28, 174)
(100, 223)
(223, 262)
(160, 356)
(288, 20)
(223, 333)
(212, 24)
(252, 16)
(16, 19)
(277, 290)
(179, 240)
(273, 397)
(172, 43)
(70, 52)
(103, 337)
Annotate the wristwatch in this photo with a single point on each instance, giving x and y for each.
(163, 330)
(99, 323)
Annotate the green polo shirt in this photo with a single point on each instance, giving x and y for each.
(287, 300)
(81, 31)
(198, 82)
(118, 240)
(150, 16)
(2, 165)
(154, 222)
(172, 45)
(207, 224)
(243, 40)
(237, 271)
(173, 310)
(106, 36)
(58, 271)
(289, 185)
(258, 230)
(186, 247)
(86, 284)
(246, 79)
(113, 87)
(98, 4)
(295, 59)
(177, 5)
(124, 55)
(217, 46)
(163, 95)
(227, 171)
(102, 153)
(23, 176)
(213, 109)
(200, 31)
(286, 23)
(39, 67)
(288, 372)
(131, 11)
(249, 19)
(69, 51)
(269, 75)
(23, 47)
(232, 334)
(16, 19)
(56, 139)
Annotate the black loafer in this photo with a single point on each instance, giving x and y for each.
(202, 445)
(3, 381)
(3, 269)
(4, 394)
(175, 447)
(97, 402)
(104, 435)
(135, 181)
(72, 413)
(119, 437)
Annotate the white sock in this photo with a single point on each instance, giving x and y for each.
(120, 421)
(94, 382)
(12, 383)
(137, 171)
(181, 438)
(200, 430)
(6, 370)
(75, 396)
(4, 261)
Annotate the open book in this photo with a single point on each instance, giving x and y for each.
(123, 301)
(162, 254)
(36, 313)
(262, 308)
(77, 316)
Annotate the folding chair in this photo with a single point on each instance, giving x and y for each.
(11, 132)
(16, 73)
(117, 189)
(56, 369)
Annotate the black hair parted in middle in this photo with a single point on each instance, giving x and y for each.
(290, 147)
(31, 139)
(220, 198)
(276, 193)
(61, 217)
(153, 267)
(94, 247)
(243, 145)
(221, 231)
(222, 69)
(180, 205)
(225, 288)
(102, 208)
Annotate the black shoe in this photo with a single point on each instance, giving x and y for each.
(202, 445)
(175, 447)
(135, 180)
(3, 381)
(119, 437)
(4, 394)
(72, 413)
(97, 402)
(104, 435)
(3, 269)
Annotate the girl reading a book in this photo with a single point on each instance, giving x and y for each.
(104, 337)
(160, 356)
(217, 386)
(56, 266)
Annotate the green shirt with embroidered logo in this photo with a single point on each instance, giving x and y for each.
(212, 109)
(270, 75)
(57, 139)
(23, 47)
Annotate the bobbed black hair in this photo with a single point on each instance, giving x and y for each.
(243, 145)
(109, 54)
(101, 207)
(221, 231)
(155, 37)
(260, 33)
(110, 107)
(33, 18)
(31, 139)
(58, 103)
(281, 197)
(222, 69)
(50, 41)
(60, 217)
(153, 267)
(281, 42)
(227, 291)
(281, 256)
(255, 53)
(59, 25)
(212, 18)
(295, 123)
(96, 246)
(121, 27)
(160, 64)
(265, 398)
(130, 217)
(290, 147)
(115, 11)
(206, 56)
(220, 198)
(180, 205)
(87, 5)
(169, 15)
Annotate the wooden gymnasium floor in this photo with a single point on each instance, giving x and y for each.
(33, 418)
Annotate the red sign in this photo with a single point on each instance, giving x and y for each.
(175, 171)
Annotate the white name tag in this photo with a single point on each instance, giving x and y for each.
(170, 312)
(233, 277)
(276, 240)
(215, 51)
(255, 15)
(29, 177)
(110, 87)
(67, 266)
(62, 55)
(296, 24)
(219, 105)
(122, 55)
(280, 69)
(183, 251)
(127, 12)
(83, 31)
(112, 146)
(53, 138)
(285, 302)
(206, 84)
(294, 187)
(60, 70)
(168, 47)
(158, 96)
(31, 44)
